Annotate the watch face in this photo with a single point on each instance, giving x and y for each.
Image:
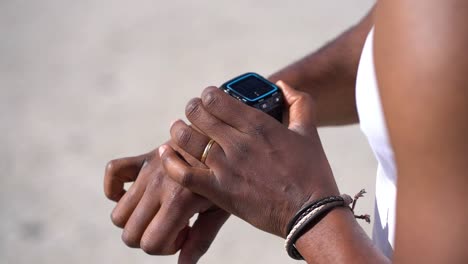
(251, 87)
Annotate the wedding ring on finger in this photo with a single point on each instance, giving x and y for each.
(207, 150)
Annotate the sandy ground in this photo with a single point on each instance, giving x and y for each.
(82, 82)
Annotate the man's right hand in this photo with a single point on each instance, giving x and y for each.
(155, 211)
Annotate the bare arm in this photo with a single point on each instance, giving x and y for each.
(422, 70)
(329, 75)
(324, 73)
(421, 65)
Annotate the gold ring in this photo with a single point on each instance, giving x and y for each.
(207, 149)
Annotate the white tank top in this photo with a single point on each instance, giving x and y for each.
(373, 125)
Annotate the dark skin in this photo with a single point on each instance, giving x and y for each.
(251, 133)
(425, 100)
(267, 190)
(424, 96)
(328, 75)
(426, 88)
(155, 201)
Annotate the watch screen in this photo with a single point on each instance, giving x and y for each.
(251, 87)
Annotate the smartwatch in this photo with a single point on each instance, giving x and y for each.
(256, 91)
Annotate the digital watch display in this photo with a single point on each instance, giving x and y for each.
(256, 91)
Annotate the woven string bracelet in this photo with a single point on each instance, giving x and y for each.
(311, 213)
(309, 207)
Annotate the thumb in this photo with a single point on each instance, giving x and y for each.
(302, 111)
(198, 180)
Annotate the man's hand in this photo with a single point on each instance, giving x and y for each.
(259, 169)
(155, 212)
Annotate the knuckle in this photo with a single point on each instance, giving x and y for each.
(118, 219)
(149, 250)
(166, 158)
(258, 130)
(192, 110)
(109, 174)
(243, 149)
(149, 246)
(186, 177)
(180, 199)
(132, 194)
(210, 97)
(202, 246)
(175, 194)
(109, 194)
(110, 167)
(154, 247)
(240, 152)
(130, 239)
(155, 183)
(183, 136)
(110, 177)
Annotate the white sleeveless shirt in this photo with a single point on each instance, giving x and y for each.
(373, 125)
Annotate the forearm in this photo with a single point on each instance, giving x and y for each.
(338, 238)
(329, 75)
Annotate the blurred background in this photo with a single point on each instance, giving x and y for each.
(83, 82)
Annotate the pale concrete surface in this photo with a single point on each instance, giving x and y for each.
(82, 82)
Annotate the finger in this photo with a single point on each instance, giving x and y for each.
(209, 124)
(201, 181)
(130, 200)
(125, 207)
(194, 143)
(233, 112)
(168, 229)
(120, 171)
(189, 139)
(141, 217)
(302, 112)
(201, 235)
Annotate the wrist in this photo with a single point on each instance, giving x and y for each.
(328, 187)
(326, 236)
(291, 217)
(338, 238)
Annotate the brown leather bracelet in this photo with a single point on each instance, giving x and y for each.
(310, 216)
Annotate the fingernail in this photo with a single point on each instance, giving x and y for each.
(162, 149)
(279, 82)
